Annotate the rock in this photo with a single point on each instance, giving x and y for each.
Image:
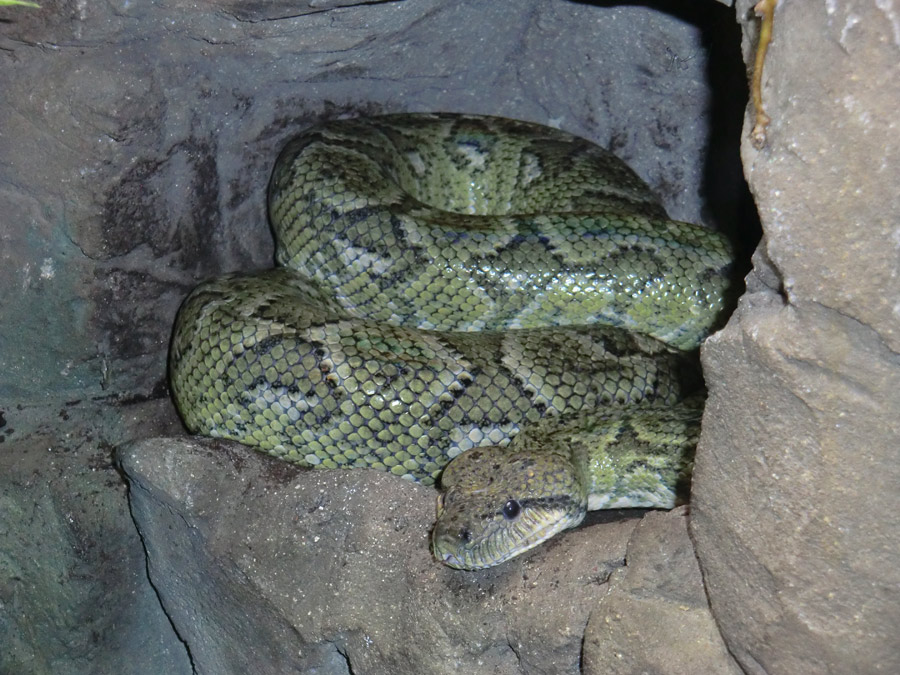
(265, 567)
(275, 10)
(655, 617)
(74, 596)
(795, 484)
(801, 431)
(826, 185)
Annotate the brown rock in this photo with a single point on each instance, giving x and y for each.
(795, 487)
(655, 618)
(263, 567)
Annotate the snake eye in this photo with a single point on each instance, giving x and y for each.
(464, 535)
(511, 509)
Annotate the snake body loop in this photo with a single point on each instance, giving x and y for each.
(445, 283)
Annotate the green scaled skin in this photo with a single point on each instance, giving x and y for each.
(257, 359)
(471, 223)
(445, 283)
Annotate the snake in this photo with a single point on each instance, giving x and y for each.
(490, 305)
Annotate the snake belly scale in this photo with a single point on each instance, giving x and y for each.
(447, 283)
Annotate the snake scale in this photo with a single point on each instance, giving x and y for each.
(477, 289)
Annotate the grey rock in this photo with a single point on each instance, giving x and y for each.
(795, 485)
(138, 141)
(655, 617)
(279, 10)
(268, 568)
(826, 184)
(794, 474)
(74, 596)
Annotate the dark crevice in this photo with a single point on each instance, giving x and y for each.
(162, 606)
(343, 654)
(729, 206)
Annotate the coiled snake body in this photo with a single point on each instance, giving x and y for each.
(445, 283)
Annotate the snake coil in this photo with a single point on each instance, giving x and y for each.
(446, 282)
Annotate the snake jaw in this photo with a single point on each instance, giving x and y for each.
(488, 543)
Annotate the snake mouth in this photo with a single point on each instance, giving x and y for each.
(502, 544)
(451, 560)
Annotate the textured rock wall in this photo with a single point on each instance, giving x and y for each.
(138, 141)
(268, 569)
(795, 489)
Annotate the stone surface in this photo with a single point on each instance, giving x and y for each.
(655, 617)
(801, 431)
(74, 596)
(268, 568)
(826, 184)
(795, 486)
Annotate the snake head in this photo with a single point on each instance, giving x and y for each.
(497, 504)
